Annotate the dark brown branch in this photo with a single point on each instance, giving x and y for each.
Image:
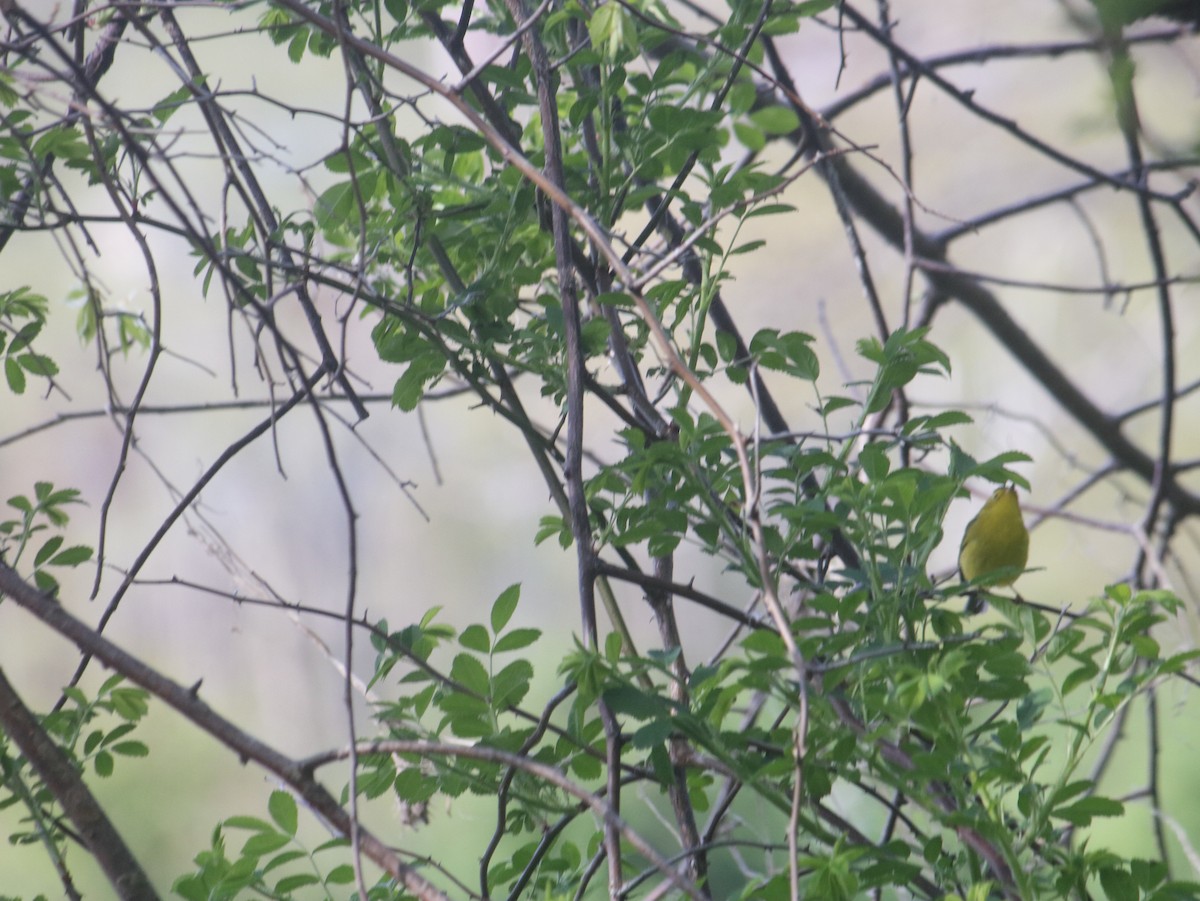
(186, 701)
(60, 776)
(947, 284)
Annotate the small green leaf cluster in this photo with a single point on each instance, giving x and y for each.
(22, 318)
(479, 699)
(37, 514)
(476, 698)
(100, 747)
(446, 241)
(273, 862)
(128, 329)
(83, 730)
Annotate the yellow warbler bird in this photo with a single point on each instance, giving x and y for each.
(996, 539)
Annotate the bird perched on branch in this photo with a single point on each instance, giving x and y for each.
(996, 541)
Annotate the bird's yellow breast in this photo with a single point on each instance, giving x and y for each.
(995, 539)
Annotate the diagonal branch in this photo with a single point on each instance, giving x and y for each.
(60, 776)
(187, 702)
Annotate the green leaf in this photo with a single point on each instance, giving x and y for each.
(776, 120)
(651, 735)
(1118, 885)
(38, 364)
(264, 843)
(516, 639)
(414, 786)
(511, 684)
(119, 732)
(296, 46)
(129, 703)
(874, 461)
(550, 526)
(410, 387)
(343, 874)
(751, 138)
(940, 421)
(505, 604)
(748, 247)
(24, 337)
(252, 823)
(335, 206)
(788, 352)
(45, 583)
(1081, 812)
(635, 702)
(812, 7)
(1079, 676)
(72, 556)
(470, 673)
(612, 31)
(282, 859)
(586, 767)
(47, 550)
(103, 763)
(475, 638)
(173, 102)
(65, 142)
(8, 97)
(397, 9)
(15, 375)
(833, 404)
(282, 807)
(291, 883)
(92, 741)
